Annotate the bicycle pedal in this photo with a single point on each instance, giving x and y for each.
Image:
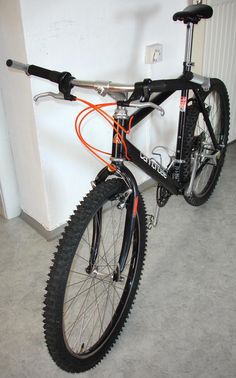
(150, 219)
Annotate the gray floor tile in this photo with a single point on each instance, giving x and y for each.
(183, 323)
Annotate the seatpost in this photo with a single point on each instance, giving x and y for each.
(188, 47)
(183, 104)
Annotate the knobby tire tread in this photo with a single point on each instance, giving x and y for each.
(191, 120)
(60, 269)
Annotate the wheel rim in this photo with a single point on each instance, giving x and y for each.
(94, 302)
(206, 169)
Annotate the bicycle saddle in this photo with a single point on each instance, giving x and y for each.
(194, 13)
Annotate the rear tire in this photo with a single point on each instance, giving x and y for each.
(217, 103)
(86, 310)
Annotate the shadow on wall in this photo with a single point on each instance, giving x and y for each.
(141, 17)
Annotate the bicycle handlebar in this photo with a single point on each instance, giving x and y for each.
(140, 90)
(57, 77)
(107, 85)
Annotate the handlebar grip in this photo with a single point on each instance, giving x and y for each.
(172, 85)
(44, 73)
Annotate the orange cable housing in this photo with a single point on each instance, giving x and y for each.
(98, 108)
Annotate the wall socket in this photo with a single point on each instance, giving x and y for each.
(154, 53)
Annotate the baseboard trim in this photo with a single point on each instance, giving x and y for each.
(48, 235)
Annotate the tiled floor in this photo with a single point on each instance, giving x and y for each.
(183, 323)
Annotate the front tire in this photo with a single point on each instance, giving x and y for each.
(86, 308)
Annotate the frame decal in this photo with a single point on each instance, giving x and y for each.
(183, 103)
(154, 164)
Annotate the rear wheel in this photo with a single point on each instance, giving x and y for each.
(198, 145)
(86, 306)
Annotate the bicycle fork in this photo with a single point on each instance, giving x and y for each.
(129, 198)
(131, 203)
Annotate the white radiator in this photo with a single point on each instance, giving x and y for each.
(219, 58)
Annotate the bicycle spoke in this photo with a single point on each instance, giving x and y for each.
(99, 315)
(77, 293)
(73, 324)
(77, 282)
(89, 306)
(206, 168)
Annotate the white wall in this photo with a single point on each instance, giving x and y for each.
(9, 196)
(92, 40)
(17, 100)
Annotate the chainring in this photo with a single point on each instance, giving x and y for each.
(162, 195)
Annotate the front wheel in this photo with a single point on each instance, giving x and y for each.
(86, 306)
(198, 144)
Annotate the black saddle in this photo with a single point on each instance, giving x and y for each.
(194, 13)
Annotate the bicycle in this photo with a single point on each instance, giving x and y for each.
(97, 267)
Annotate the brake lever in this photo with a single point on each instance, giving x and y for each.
(58, 96)
(146, 104)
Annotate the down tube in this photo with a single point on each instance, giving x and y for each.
(163, 179)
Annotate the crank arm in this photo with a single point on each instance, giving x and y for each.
(189, 190)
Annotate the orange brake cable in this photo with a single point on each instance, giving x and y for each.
(98, 108)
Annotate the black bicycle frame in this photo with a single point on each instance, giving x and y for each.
(122, 150)
(147, 165)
